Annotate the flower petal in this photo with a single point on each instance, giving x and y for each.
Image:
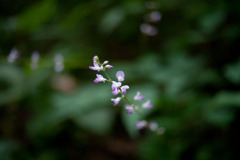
(120, 76)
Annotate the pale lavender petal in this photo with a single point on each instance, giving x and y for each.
(147, 105)
(13, 55)
(141, 124)
(153, 126)
(124, 89)
(105, 62)
(115, 91)
(99, 78)
(116, 100)
(116, 85)
(138, 97)
(120, 76)
(129, 109)
(109, 66)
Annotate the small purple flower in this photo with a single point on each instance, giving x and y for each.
(13, 55)
(147, 104)
(96, 67)
(138, 97)
(116, 85)
(120, 76)
(129, 109)
(141, 124)
(124, 89)
(153, 126)
(99, 78)
(116, 100)
(109, 66)
(115, 91)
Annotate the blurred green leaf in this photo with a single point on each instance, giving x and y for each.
(37, 14)
(232, 72)
(11, 83)
(130, 121)
(98, 121)
(112, 19)
(6, 150)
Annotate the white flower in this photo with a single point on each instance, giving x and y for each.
(129, 109)
(141, 124)
(120, 76)
(115, 91)
(124, 89)
(147, 104)
(138, 97)
(96, 67)
(99, 78)
(116, 85)
(116, 100)
(153, 126)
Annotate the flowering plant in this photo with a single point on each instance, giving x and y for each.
(119, 89)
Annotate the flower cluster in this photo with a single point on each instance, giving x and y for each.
(118, 88)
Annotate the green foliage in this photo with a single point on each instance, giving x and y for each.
(190, 71)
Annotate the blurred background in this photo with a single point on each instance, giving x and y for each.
(183, 55)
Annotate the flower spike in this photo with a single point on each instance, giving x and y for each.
(118, 88)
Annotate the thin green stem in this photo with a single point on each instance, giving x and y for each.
(109, 79)
(125, 97)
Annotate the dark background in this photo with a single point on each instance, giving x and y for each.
(189, 67)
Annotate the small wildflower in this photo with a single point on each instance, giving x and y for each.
(96, 67)
(138, 97)
(124, 89)
(129, 109)
(147, 104)
(148, 29)
(13, 55)
(99, 78)
(116, 91)
(120, 76)
(141, 124)
(116, 100)
(155, 16)
(116, 85)
(153, 126)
